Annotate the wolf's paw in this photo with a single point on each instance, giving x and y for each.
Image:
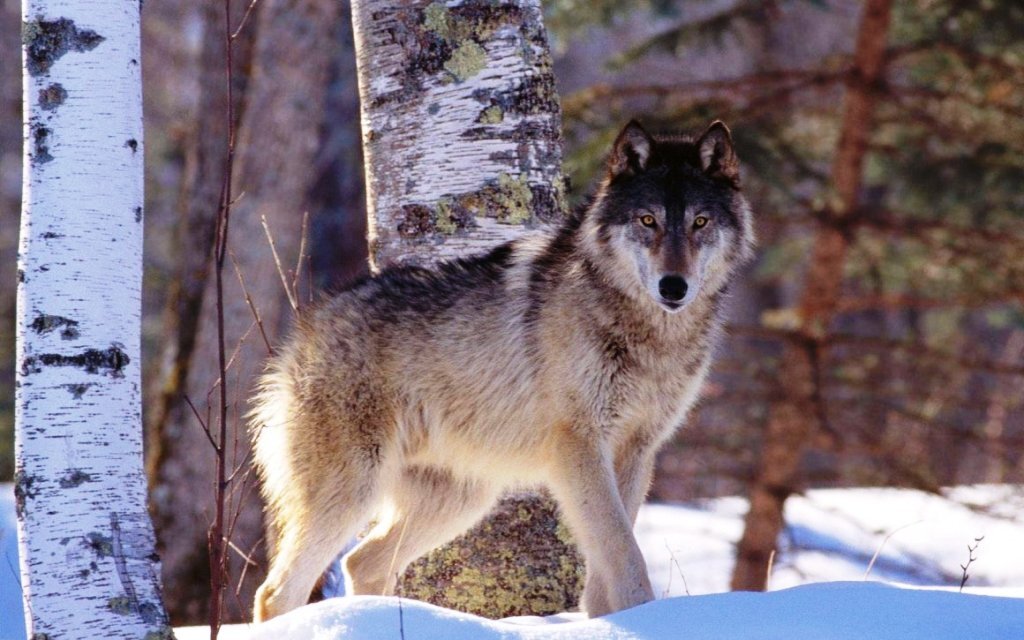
(620, 597)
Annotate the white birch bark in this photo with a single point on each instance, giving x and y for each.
(87, 563)
(462, 144)
(461, 125)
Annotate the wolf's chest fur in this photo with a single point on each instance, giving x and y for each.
(642, 373)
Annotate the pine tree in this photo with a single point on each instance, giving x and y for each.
(885, 174)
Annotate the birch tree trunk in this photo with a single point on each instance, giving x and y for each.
(462, 142)
(87, 563)
(793, 421)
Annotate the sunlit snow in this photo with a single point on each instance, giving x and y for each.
(832, 535)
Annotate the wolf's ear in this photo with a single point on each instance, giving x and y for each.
(631, 151)
(717, 157)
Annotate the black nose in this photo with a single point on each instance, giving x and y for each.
(672, 288)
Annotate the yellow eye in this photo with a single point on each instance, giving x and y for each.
(648, 221)
(700, 222)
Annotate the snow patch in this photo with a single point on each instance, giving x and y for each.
(839, 611)
(831, 536)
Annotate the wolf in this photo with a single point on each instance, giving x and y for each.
(564, 358)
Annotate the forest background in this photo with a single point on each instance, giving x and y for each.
(878, 340)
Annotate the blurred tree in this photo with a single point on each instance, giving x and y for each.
(890, 233)
(10, 197)
(86, 540)
(278, 139)
(186, 587)
(795, 418)
(462, 138)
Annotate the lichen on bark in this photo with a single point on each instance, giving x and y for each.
(466, 61)
(492, 569)
(46, 41)
(52, 96)
(477, 77)
(507, 199)
(40, 143)
(102, 545)
(102, 361)
(74, 478)
(512, 197)
(45, 323)
(24, 490)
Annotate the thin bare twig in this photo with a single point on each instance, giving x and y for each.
(215, 535)
(202, 423)
(394, 557)
(245, 558)
(970, 560)
(277, 261)
(679, 568)
(302, 253)
(243, 465)
(246, 487)
(252, 305)
(881, 545)
(238, 347)
(245, 18)
(401, 616)
(245, 567)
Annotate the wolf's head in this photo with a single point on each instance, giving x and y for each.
(669, 218)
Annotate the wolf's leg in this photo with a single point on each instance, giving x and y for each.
(583, 481)
(431, 508)
(314, 524)
(634, 467)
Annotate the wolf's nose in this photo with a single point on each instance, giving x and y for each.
(672, 288)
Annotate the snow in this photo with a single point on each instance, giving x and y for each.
(832, 535)
(839, 611)
(818, 586)
(12, 623)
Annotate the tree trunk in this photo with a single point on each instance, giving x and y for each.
(462, 140)
(278, 138)
(167, 415)
(792, 421)
(194, 235)
(87, 566)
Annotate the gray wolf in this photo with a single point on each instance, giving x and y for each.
(563, 359)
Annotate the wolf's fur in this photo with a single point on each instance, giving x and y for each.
(418, 395)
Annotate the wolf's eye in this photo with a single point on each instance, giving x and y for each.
(648, 221)
(700, 222)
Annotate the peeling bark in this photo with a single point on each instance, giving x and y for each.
(793, 421)
(462, 140)
(88, 565)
